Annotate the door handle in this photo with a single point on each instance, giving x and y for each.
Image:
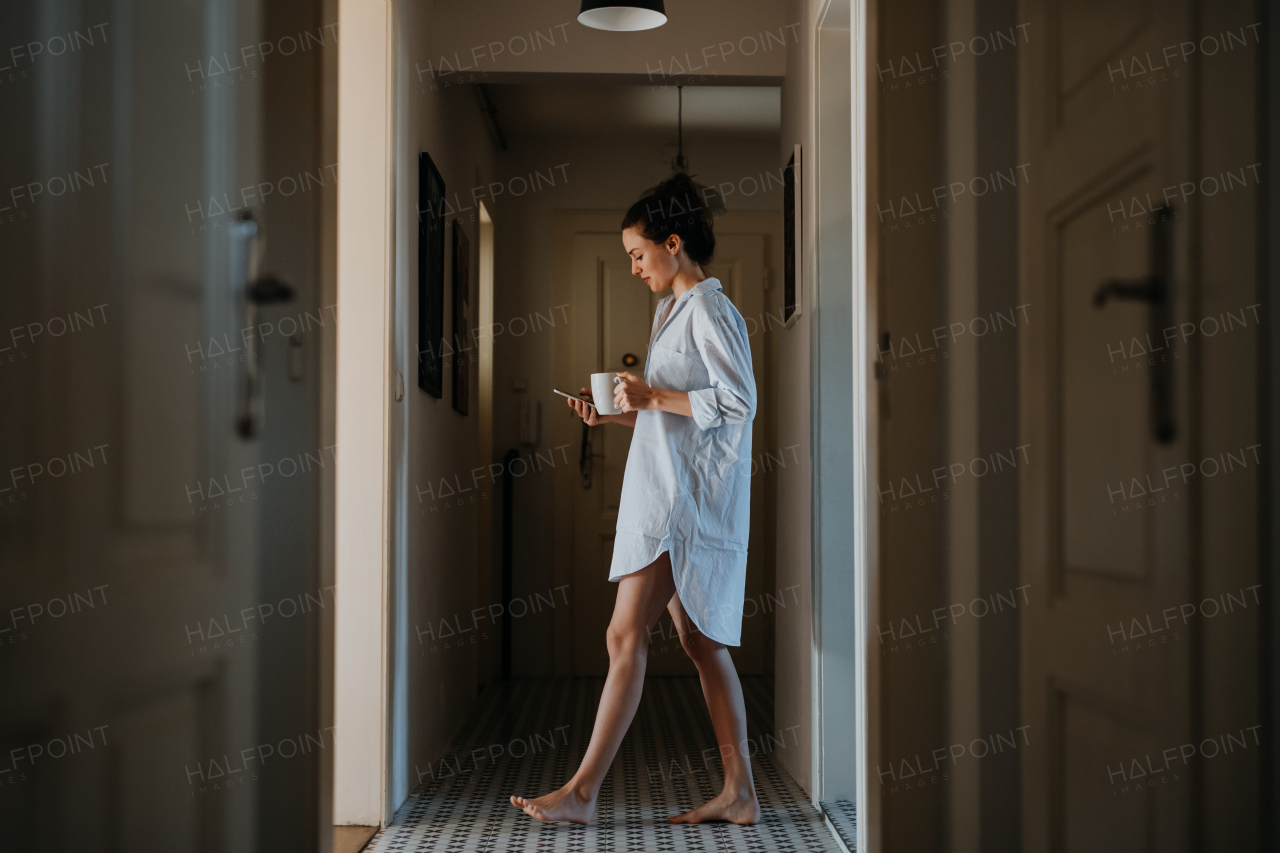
(1154, 289)
(267, 290)
(585, 457)
(586, 460)
(249, 291)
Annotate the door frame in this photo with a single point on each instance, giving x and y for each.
(863, 323)
(362, 519)
(843, 411)
(843, 430)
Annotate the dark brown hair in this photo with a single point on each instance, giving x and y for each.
(675, 207)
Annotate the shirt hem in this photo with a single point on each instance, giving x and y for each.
(668, 544)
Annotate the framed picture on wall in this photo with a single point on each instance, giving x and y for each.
(462, 348)
(792, 209)
(430, 276)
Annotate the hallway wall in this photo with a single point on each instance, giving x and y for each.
(434, 553)
(794, 643)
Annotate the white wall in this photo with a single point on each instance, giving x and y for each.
(794, 676)
(433, 554)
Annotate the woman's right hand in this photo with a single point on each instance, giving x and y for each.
(587, 413)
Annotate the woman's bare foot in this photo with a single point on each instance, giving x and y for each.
(740, 807)
(564, 804)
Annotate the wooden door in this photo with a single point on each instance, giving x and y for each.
(161, 681)
(615, 313)
(1115, 542)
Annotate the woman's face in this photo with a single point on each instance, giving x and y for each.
(655, 263)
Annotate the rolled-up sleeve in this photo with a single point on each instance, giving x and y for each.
(721, 337)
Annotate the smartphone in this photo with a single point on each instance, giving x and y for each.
(573, 396)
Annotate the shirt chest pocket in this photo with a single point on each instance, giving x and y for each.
(673, 370)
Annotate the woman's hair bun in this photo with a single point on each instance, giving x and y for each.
(675, 207)
(677, 185)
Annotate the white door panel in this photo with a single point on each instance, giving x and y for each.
(1110, 537)
(169, 663)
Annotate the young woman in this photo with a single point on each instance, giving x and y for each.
(681, 541)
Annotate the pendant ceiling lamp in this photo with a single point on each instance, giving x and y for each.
(710, 197)
(622, 17)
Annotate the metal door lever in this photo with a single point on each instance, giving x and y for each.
(268, 290)
(1153, 289)
(1147, 289)
(251, 290)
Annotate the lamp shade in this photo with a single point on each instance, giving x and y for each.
(622, 16)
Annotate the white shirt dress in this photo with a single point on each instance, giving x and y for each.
(687, 485)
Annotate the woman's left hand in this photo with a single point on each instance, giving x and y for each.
(632, 394)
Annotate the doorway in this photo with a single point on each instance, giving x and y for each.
(552, 168)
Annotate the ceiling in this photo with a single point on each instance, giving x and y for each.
(527, 110)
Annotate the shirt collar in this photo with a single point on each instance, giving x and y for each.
(705, 286)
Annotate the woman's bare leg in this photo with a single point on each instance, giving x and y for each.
(642, 596)
(723, 691)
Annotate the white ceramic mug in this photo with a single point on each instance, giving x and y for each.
(602, 392)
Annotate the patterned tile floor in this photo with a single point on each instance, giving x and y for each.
(843, 816)
(527, 737)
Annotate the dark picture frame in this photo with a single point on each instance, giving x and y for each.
(461, 349)
(430, 277)
(792, 211)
